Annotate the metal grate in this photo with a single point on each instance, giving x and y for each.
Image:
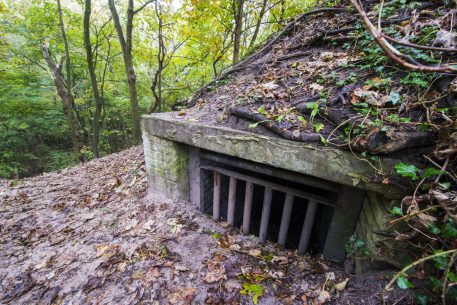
(227, 190)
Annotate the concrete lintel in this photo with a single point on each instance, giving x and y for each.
(318, 161)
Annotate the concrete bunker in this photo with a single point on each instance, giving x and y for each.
(303, 196)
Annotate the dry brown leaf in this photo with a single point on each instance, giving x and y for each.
(341, 285)
(254, 252)
(214, 276)
(323, 297)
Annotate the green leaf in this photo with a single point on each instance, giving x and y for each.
(429, 172)
(394, 97)
(421, 299)
(318, 127)
(407, 170)
(449, 230)
(323, 140)
(315, 109)
(279, 118)
(433, 228)
(440, 262)
(254, 125)
(396, 211)
(404, 283)
(452, 277)
(262, 110)
(254, 290)
(216, 235)
(436, 283)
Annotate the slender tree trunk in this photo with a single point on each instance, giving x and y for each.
(156, 86)
(126, 45)
(258, 24)
(93, 79)
(68, 100)
(238, 31)
(64, 94)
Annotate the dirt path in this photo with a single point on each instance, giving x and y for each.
(91, 235)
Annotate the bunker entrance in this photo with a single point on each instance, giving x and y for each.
(276, 205)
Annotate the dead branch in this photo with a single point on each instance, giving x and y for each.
(394, 54)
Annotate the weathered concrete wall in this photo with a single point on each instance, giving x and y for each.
(323, 162)
(167, 167)
(374, 218)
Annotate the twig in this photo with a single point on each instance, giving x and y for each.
(437, 165)
(415, 263)
(445, 276)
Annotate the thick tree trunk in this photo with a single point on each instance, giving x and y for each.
(93, 79)
(238, 31)
(126, 45)
(66, 97)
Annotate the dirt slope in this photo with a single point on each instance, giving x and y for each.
(91, 235)
(325, 80)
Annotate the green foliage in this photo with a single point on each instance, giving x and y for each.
(404, 283)
(34, 136)
(407, 170)
(356, 247)
(253, 290)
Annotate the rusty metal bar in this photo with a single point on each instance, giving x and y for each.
(247, 207)
(231, 201)
(285, 219)
(307, 227)
(216, 196)
(272, 185)
(265, 214)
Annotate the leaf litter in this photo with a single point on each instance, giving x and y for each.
(92, 234)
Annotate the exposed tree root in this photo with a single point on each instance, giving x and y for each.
(273, 126)
(376, 142)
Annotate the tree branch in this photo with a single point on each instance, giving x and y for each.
(396, 55)
(142, 7)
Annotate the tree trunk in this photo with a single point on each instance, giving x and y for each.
(156, 86)
(65, 97)
(126, 45)
(68, 100)
(93, 79)
(258, 24)
(238, 31)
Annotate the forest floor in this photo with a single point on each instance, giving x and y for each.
(92, 234)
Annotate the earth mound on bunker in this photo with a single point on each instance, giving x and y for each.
(324, 79)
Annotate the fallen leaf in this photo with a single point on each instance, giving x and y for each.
(214, 276)
(341, 285)
(323, 297)
(254, 252)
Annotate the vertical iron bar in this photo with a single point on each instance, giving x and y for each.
(216, 196)
(231, 201)
(265, 214)
(307, 227)
(247, 207)
(285, 219)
